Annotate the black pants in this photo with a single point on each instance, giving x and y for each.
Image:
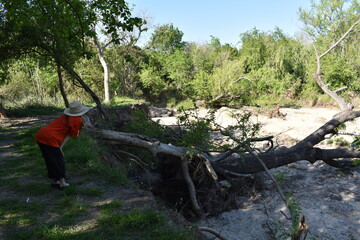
(54, 160)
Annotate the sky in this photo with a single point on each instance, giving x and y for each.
(226, 19)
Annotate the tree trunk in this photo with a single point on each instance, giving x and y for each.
(344, 106)
(106, 74)
(74, 75)
(246, 163)
(3, 112)
(101, 50)
(61, 85)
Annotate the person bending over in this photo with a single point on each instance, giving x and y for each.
(54, 136)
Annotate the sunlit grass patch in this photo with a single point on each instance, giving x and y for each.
(124, 101)
(18, 213)
(70, 209)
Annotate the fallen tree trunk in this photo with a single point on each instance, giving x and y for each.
(245, 163)
(214, 181)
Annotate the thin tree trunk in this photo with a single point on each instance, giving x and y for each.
(106, 75)
(101, 50)
(61, 85)
(74, 75)
(344, 106)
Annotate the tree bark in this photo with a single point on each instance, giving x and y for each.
(61, 85)
(344, 106)
(101, 50)
(74, 75)
(246, 163)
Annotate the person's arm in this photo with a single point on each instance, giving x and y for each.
(67, 138)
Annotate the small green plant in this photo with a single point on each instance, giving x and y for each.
(195, 130)
(356, 143)
(295, 210)
(279, 176)
(356, 162)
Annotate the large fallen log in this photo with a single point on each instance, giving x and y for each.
(218, 169)
(245, 163)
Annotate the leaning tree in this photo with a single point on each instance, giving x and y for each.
(59, 30)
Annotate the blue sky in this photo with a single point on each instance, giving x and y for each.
(226, 19)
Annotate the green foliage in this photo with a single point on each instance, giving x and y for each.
(279, 176)
(152, 82)
(356, 142)
(243, 130)
(142, 124)
(124, 101)
(196, 129)
(295, 209)
(269, 67)
(166, 38)
(185, 105)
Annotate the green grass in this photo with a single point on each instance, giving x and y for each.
(33, 210)
(33, 110)
(110, 207)
(147, 225)
(124, 101)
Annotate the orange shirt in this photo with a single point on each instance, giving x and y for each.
(55, 133)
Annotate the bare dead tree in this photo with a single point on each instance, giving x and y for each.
(318, 76)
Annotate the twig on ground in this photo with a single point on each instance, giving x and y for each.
(212, 231)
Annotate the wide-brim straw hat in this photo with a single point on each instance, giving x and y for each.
(76, 109)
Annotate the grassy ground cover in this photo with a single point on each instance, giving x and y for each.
(95, 206)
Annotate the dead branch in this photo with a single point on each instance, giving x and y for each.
(191, 187)
(318, 76)
(212, 231)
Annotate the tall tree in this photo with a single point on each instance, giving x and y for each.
(59, 29)
(125, 37)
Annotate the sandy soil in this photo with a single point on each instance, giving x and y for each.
(329, 198)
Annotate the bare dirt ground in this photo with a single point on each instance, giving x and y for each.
(329, 198)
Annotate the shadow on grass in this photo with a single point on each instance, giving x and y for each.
(33, 110)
